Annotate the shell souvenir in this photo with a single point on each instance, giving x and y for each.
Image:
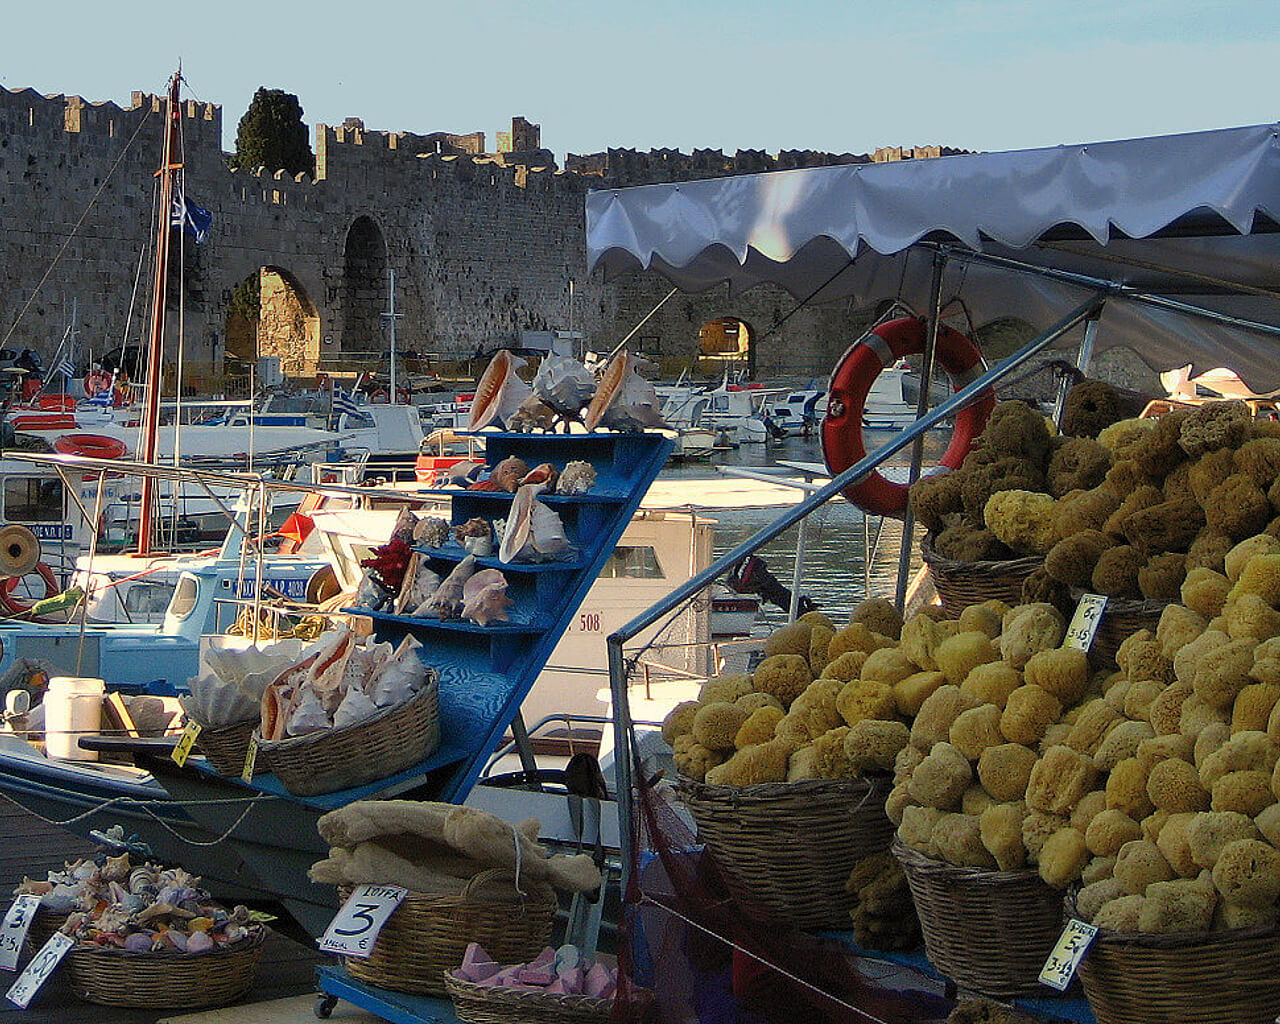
(485, 598)
(506, 476)
(402, 675)
(533, 414)
(446, 602)
(624, 400)
(431, 531)
(419, 584)
(578, 478)
(532, 532)
(475, 536)
(564, 384)
(546, 474)
(499, 392)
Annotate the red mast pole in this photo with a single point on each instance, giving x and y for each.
(155, 349)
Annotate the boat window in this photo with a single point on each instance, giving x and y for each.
(147, 598)
(184, 597)
(32, 499)
(637, 563)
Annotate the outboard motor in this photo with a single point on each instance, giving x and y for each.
(752, 576)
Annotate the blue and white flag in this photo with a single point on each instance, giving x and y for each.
(186, 214)
(344, 401)
(105, 397)
(66, 368)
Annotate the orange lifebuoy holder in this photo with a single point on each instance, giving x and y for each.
(90, 446)
(842, 441)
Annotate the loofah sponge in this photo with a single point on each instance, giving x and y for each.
(758, 728)
(976, 729)
(941, 778)
(1248, 873)
(939, 710)
(1028, 629)
(875, 744)
(784, 675)
(1028, 712)
(1005, 770)
(1138, 864)
(957, 839)
(715, 725)
(1127, 788)
(1058, 781)
(1063, 857)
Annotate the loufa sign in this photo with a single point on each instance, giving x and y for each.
(355, 929)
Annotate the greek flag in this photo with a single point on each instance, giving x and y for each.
(105, 397)
(66, 368)
(186, 214)
(344, 401)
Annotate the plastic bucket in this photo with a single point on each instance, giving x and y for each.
(72, 708)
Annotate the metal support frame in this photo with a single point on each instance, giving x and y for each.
(1084, 355)
(622, 724)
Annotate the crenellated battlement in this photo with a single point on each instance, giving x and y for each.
(25, 111)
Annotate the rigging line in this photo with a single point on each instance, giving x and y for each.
(177, 489)
(1161, 268)
(806, 300)
(67, 241)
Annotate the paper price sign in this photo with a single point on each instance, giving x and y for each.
(1084, 623)
(250, 760)
(13, 930)
(22, 991)
(1067, 953)
(183, 750)
(355, 929)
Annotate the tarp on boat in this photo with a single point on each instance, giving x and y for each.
(1193, 217)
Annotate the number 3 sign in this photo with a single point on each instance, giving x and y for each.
(355, 928)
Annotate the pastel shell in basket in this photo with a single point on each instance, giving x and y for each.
(532, 532)
(564, 384)
(499, 392)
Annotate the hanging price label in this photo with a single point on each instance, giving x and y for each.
(1066, 955)
(1084, 623)
(250, 760)
(188, 740)
(355, 929)
(13, 930)
(22, 991)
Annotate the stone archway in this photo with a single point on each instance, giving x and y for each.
(726, 340)
(270, 314)
(364, 287)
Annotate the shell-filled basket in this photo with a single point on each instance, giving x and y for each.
(990, 931)
(786, 849)
(1183, 978)
(960, 584)
(351, 755)
(428, 934)
(227, 747)
(110, 976)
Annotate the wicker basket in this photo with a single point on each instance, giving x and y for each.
(990, 931)
(788, 848)
(477, 1004)
(1190, 978)
(428, 934)
(381, 745)
(227, 747)
(117, 977)
(43, 925)
(961, 584)
(1121, 618)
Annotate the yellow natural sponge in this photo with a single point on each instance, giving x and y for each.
(1250, 618)
(1163, 747)
(1231, 916)
(819, 648)
(1028, 712)
(905, 763)
(941, 778)
(1236, 559)
(724, 689)
(992, 683)
(1094, 896)
(1059, 779)
(1110, 830)
(829, 761)
(1248, 873)
(1095, 720)
(1205, 591)
(846, 667)
(940, 709)
(855, 637)
(803, 764)
(896, 802)
(1246, 792)
(1121, 742)
(1244, 752)
(887, 665)
(1253, 706)
(1139, 697)
(1259, 460)
(1218, 679)
(715, 725)
(1212, 738)
(783, 675)
(1037, 827)
(921, 635)
(1120, 915)
(692, 758)
(1260, 575)
(758, 728)
(880, 616)
(983, 618)
(957, 839)
(1024, 520)
(916, 829)
(1165, 712)
(1178, 626)
(910, 693)
(1175, 844)
(1097, 869)
(1267, 822)
(875, 744)
(1000, 828)
(755, 701)
(1198, 717)
(1140, 656)
(1208, 834)
(754, 765)
(1127, 788)
(1063, 857)
(1180, 905)
(975, 730)
(975, 800)
(1087, 808)
(679, 720)
(1138, 864)
(958, 655)
(814, 711)
(817, 618)
(1063, 672)
(1174, 786)
(1004, 771)
(1028, 629)
(790, 639)
(859, 699)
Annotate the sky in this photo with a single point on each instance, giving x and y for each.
(809, 74)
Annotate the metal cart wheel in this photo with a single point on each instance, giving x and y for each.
(324, 1006)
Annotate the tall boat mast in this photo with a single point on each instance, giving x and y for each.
(151, 419)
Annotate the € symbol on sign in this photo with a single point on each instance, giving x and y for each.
(364, 943)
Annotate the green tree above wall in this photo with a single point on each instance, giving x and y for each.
(272, 134)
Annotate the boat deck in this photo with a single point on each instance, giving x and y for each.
(29, 846)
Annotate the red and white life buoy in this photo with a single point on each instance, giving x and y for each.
(842, 442)
(96, 382)
(15, 603)
(90, 446)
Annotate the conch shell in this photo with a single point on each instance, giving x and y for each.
(532, 414)
(543, 474)
(431, 531)
(578, 478)
(505, 477)
(499, 392)
(484, 597)
(532, 532)
(446, 602)
(475, 536)
(564, 384)
(624, 399)
(419, 584)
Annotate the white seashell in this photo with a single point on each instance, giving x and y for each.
(533, 533)
(355, 707)
(431, 532)
(498, 393)
(401, 677)
(308, 715)
(577, 478)
(481, 546)
(564, 384)
(533, 414)
(484, 597)
(419, 584)
(624, 400)
(446, 602)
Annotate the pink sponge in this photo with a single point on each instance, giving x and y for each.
(573, 980)
(536, 974)
(598, 979)
(476, 964)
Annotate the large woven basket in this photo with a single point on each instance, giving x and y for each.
(1121, 618)
(476, 1004)
(428, 934)
(227, 747)
(1190, 978)
(961, 584)
(43, 925)
(786, 849)
(378, 746)
(117, 977)
(990, 931)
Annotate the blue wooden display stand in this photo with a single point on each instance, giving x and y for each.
(398, 1007)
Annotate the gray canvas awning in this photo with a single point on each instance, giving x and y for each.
(1194, 219)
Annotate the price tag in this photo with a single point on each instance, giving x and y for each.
(13, 930)
(1067, 953)
(355, 929)
(1084, 623)
(188, 740)
(250, 760)
(22, 991)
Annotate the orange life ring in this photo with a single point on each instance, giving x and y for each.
(90, 446)
(15, 605)
(842, 442)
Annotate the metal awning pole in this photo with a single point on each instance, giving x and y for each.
(922, 407)
(1083, 357)
(798, 573)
